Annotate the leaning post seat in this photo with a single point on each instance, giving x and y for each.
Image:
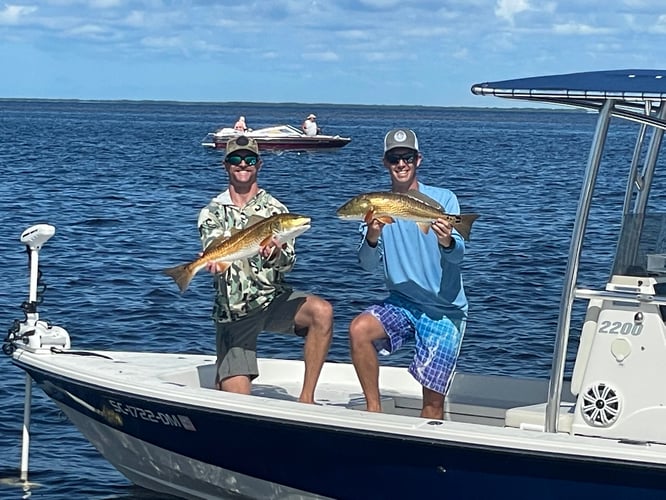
(533, 417)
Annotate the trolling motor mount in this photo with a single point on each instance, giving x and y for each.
(32, 332)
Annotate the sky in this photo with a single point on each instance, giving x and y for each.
(391, 52)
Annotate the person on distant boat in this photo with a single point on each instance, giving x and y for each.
(422, 272)
(240, 124)
(251, 296)
(310, 125)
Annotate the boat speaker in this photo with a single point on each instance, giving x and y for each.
(601, 405)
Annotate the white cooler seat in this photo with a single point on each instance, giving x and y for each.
(533, 417)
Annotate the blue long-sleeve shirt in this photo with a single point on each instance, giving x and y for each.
(417, 269)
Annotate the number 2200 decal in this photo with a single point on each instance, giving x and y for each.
(620, 328)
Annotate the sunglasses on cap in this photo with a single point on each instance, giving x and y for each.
(394, 158)
(250, 159)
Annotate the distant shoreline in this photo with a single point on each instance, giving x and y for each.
(279, 104)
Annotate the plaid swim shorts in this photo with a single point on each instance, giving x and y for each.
(437, 342)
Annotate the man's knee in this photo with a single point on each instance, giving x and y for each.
(324, 310)
(316, 310)
(365, 328)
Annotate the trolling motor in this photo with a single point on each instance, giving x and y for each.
(33, 334)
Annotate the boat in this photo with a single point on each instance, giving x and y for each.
(157, 418)
(277, 138)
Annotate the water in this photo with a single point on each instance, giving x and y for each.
(123, 184)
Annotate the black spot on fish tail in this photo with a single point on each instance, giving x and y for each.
(463, 224)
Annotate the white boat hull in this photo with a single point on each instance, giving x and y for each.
(158, 469)
(160, 422)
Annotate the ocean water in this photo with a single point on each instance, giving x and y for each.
(123, 183)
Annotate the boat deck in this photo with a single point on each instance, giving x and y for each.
(472, 398)
(480, 399)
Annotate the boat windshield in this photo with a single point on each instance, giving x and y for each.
(642, 246)
(279, 130)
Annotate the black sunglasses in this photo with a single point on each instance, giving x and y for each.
(236, 160)
(394, 159)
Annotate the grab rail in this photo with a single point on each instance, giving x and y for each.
(584, 293)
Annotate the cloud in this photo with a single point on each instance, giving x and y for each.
(659, 26)
(135, 18)
(579, 29)
(105, 4)
(379, 56)
(507, 9)
(87, 30)
(380, 4)
(162, 42)
(433, 31)
(325, 56)
(355, 34)
(13, 14)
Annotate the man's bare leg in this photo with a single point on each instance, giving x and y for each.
(363, 330)
(433, 404)
(238, 383)
(316, 314)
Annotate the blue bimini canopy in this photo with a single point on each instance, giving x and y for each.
(624, 84)
(636, 94)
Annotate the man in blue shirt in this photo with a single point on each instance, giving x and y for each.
(426, 298)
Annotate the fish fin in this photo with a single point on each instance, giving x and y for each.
(385, 219)
(424, 227)
(464, 224)
(251, 221)
(216, 243)
(223, 266)
(182, 275)
(266, 241)
(254, 219)
(418, 195)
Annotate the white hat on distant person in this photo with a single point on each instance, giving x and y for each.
(311, 116)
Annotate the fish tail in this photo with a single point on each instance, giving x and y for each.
(182, 275)
(465, 225)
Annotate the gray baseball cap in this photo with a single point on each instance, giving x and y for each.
(401, 138)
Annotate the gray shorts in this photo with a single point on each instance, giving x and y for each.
(236, 341)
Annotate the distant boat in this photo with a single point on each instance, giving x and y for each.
(277, 138)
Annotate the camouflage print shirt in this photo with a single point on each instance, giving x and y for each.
(250, 284)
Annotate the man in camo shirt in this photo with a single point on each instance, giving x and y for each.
(251, 295)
